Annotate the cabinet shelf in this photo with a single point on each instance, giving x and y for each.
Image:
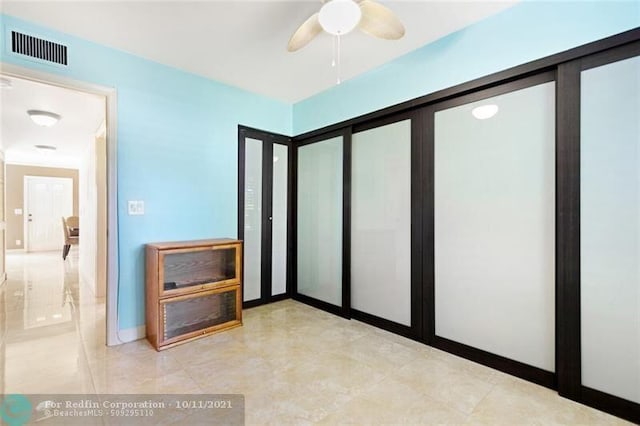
(193, 289)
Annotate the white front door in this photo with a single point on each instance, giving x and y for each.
(47, 200)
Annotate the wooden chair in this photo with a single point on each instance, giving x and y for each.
(70, 226)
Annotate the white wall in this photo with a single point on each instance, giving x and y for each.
(102, 218)
(88, 217)
(3, 223)
(92, 208)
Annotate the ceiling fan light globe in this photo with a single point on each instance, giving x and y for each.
(339, 17)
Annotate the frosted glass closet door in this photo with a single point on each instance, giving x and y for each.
(495, 226)
(320, 220)
(252, 219)
(279, 220)
(381, 222)
(610, 228)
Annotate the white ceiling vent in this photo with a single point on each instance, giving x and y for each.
(38, 48)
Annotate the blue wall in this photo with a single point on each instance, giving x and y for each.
(177, 149)
(522, 33)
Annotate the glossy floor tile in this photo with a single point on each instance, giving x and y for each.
(294, 364)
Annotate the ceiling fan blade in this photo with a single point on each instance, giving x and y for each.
(305, 33)
(379, 21)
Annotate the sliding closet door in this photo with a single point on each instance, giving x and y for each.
(264, 191)
(381, 222)
(494, 224)
(610, 228)
(319, 220)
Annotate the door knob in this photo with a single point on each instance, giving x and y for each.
(270, 217)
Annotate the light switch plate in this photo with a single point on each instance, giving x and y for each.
(17, 212)
(136, 208)
(18, 242)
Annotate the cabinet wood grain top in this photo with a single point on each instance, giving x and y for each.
(190, 244)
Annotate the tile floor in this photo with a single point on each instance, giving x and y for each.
(294, 364)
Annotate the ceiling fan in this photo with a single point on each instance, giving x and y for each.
(339, 17)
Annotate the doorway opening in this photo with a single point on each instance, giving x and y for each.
(60, 196)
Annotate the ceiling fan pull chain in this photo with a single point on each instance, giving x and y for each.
(339, 58)
(333, 52)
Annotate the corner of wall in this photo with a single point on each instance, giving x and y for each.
(528, 31)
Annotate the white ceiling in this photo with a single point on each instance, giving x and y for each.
(243, 43)
(82, 114)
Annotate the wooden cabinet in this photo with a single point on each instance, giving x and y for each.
(193, 289)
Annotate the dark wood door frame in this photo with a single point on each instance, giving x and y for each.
(268, 139)
(415, 330)
(344, 310)
(513, 367)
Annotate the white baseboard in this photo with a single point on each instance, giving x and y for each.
(131, 334)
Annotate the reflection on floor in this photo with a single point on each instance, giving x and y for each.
(293, 363)
(47, 320)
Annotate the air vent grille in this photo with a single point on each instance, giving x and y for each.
(38, 48)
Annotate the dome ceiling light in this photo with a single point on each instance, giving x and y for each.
(43, 118)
